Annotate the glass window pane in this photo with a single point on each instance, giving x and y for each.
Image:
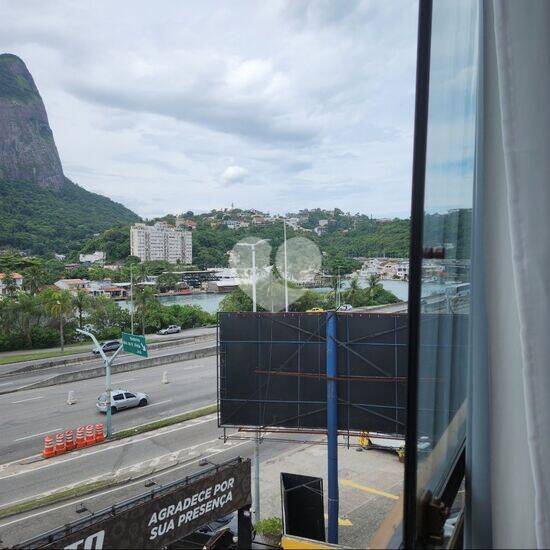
(444, 312)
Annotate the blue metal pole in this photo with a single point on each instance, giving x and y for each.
(332, 428)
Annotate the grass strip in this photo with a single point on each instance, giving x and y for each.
(87, 488)
(57, 496)
(35, 355)
(203, 411)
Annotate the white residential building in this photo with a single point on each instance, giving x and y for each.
(17, 283)
(161, 242)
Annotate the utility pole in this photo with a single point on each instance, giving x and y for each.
(256, 472)
(286, 268)
(107, 362)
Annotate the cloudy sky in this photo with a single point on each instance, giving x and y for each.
(278, 105)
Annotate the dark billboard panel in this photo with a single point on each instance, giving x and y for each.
(303, 507)
(272, 369)
(157, 521)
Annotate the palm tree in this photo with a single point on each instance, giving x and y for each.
(81, 301)
(59, 303)
(143, 296)
(353, 290)
(374, 282)
(34, 278)
(27, 307)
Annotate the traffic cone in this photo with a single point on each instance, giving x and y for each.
(90, 436)
(69, 440)
(48, 451)
(99, 435)
(70, 398)
(165, 377)
(60, 446)
(80, 440)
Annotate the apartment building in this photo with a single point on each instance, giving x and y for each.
(161, 242)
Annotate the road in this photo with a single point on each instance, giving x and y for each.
(17, 380)
(26, 416)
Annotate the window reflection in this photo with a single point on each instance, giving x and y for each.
(444, 312)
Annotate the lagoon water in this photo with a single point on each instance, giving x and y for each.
(211, 301)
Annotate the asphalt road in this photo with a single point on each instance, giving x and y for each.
(26, 416)
(18, 380)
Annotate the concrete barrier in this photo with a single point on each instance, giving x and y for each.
(97, 372)
(88, 357)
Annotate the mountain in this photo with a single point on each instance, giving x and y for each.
(41, 210)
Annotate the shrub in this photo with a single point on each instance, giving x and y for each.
(269, 526)
(44, 337)
(12, 342)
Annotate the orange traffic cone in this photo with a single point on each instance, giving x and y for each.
(80, 440)
(69, 440)
(48, 451)
(90, 436)
(99, 435)
(60, 446)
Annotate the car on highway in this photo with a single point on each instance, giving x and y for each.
(122, 399)
(315, 310)
(345, 307)
(172, 329)
(109, 345)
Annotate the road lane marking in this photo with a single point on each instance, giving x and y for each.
(36, 435)
(159, 403)
(343, 522)
(366, 489)
(124, 380)
(124, 486)
(28, 399)
(6, 383)
(138, 465)
(79, 454)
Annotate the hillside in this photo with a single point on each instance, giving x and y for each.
(41, 210)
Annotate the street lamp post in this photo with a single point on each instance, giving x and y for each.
(286, 269)
(107, 362)
(132, 298)
(256, 475)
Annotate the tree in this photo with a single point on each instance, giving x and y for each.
(351, 294)
(28, 308)
(81, 301)
(143, 297)
(34, 277)
(373, 282)
(167, 281)
(59, 304)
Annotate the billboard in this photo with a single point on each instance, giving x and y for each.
(272, 369)
(159, 520)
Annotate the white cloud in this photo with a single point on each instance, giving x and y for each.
(235, 174)
(315, 98)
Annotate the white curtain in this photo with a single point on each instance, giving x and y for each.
(520, 77)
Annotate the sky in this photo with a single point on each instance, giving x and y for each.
(277, 105)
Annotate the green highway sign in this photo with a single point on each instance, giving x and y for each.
(134, 343)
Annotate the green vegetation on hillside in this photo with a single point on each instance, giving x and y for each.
(42, 221)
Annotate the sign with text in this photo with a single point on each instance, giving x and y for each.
(169, 517)
(134, 343)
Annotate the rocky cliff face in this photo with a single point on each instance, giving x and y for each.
(27, 148)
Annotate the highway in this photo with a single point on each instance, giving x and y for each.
(12, 379)
(26, 416)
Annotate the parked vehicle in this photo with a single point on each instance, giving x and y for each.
(109, 345)
(315, 310)
(172, 329)
(122, 399)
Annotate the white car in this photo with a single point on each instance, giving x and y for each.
(345, 307)
(172, 329)
(122, 399)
